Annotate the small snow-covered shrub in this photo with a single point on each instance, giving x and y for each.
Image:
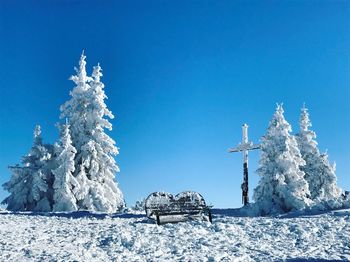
(330, 204)
(346, 199)
(139, 205)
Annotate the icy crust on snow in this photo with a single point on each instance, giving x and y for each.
(83, 236)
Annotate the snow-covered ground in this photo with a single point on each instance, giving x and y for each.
(83, 236)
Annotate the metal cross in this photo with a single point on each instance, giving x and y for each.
(244, 147)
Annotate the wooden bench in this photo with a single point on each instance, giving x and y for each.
(186, 205)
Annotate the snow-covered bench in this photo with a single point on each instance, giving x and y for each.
(183, 206)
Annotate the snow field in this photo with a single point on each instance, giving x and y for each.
(132, 237)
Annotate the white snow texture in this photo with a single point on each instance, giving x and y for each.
(83, 236)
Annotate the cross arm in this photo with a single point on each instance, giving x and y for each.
(244, 147)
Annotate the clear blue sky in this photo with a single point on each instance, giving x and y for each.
(181, 77)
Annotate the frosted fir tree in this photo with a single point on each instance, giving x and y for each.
(282, 186)
(65, 184)
(319, 173)
(75, 109)
(98, 152)
(39, 162)
(19, 187)
(88, 115)
(29, 184)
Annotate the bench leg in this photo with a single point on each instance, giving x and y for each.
(210, 218)
(158, 220)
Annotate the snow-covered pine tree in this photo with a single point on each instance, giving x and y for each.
(87, 113)
(75, 109)
(65, 184)
(19, 187)
(282, 186)
(98, 153)
(29, 184)
(319, 173)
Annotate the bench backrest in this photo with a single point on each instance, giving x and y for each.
(165, 203)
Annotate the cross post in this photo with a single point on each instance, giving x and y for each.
(244, 147)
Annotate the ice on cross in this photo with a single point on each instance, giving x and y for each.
(244, 147)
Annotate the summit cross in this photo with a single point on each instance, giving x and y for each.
(244, 147)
